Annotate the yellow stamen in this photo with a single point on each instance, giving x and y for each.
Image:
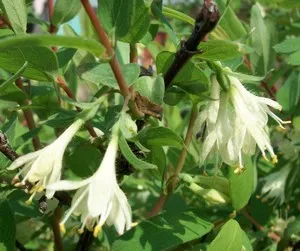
(133, 224)
(239, 170)
(97, 230)
(62, 228)
(29, 201)
(40, 188)
(80, 231)
(274, 159)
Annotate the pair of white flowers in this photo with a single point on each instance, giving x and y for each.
(236, 121)
(99, 198)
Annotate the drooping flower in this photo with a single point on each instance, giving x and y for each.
(251, 118)
(43, 167)
(99, 198)
(236, 122)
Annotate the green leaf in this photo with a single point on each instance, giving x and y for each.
(190, 78)
(230, 238)
(163, 232)
(8, 91)
(158, 157)
(294, 59)
(7, 225)
(38, 68)
(159, 136)
(152, 88)
(262, 39)
(178, 15)
(16, 13)
(64, 56)
(103, 74)
(129, 19)
(131, 158)
(52, 40)
(246, 242)
(84, 160)
(229, 22)
(288, 46)
(288, 94)
(219, 50)
(174, 95)
(241, 185)
(64, 11)
(157, 12)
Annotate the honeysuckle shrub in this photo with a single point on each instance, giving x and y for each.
(149, 125)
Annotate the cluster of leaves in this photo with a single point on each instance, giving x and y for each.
(260, 41)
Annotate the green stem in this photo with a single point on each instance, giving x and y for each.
(171, 186)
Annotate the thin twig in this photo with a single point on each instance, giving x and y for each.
(55, 219)
(6, 149)
(271, 235)
(106, 43)
(29, 117)
(133, 53)
(174, 181)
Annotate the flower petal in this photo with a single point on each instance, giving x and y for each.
(68, 185)
(23, 159)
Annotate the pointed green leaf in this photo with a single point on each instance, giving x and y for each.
(163, 232)
(219, 50)
(159, 136)
(241, 185)
(38, 68)
(229, 238)
(89, 45)
(129, 19)
(16, 13)
(131, 158)
(288, 45)
(8, 91)
(64, 11)
(102, 74)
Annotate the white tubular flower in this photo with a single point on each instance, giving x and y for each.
(43, 167)
(251, 117)
(99, 198)
(218, 124)
(236, 121)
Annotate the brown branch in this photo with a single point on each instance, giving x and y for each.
(271, 235)
(55, 219)
(52, 28)
(106, 43)
(133, 53)
(269, 91)
(174, 180)
(6, 149)
(205, 23)
(29, 117)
